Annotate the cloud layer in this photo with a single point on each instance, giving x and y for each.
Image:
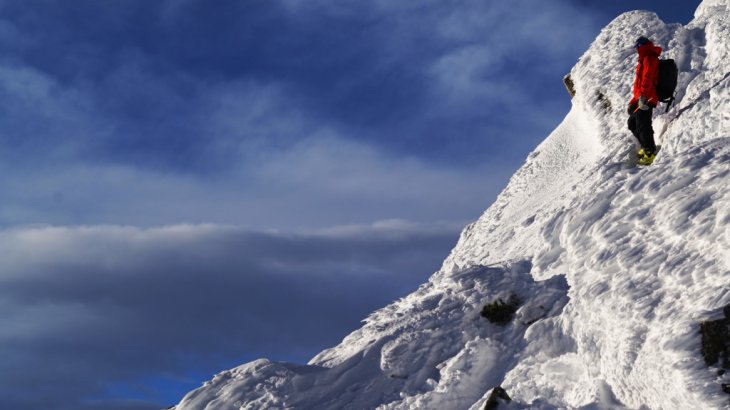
(89, 311)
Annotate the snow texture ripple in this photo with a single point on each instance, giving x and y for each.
(615, 265)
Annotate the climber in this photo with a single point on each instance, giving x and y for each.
(645, 98)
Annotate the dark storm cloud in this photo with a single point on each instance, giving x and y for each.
(87, 309)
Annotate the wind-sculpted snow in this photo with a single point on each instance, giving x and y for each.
(428, 350)
(646, 257)
(615, 265)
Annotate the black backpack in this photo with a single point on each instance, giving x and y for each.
(667, 82)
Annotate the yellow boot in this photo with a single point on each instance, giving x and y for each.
(647, 159)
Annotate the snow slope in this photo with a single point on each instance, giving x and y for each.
(615, 265)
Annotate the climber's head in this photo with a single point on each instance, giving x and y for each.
(641, 41)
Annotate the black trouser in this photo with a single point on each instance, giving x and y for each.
(640, 126)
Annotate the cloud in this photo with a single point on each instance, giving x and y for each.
(378, 72)
(499, 52)
(147, 144)
(38, 113)
(86, 309)
(479, 40)
(319, 181)
(290, 112)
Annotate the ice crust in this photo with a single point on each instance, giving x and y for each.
(616, 265)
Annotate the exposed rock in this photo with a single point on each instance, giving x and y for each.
(497, 396)
(500, 312)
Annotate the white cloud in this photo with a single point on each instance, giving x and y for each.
(486, 38)
(319, 181)
(251, 152)
(272, 165)
(40, 115)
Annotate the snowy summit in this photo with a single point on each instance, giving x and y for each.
(589, 284)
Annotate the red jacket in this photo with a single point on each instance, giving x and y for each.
(647, 74)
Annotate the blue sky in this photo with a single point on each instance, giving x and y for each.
(188, 185)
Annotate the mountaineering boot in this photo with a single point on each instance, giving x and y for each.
(640, 153)
(647, 159)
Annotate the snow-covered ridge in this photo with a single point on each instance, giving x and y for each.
(615, 266)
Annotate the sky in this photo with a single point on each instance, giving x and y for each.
(189, 185)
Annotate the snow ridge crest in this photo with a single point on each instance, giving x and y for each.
(614, 266)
